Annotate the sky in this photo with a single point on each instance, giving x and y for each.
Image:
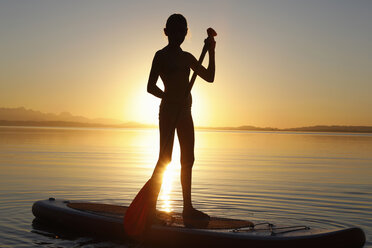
(279, 63)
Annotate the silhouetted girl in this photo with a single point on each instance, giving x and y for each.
(173, 65)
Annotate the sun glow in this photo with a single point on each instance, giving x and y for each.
(144, 107)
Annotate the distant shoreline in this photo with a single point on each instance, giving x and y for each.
(334, 128)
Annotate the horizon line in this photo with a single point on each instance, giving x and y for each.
(316, 128)
(40, 118)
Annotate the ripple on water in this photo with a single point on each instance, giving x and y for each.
(318, 181)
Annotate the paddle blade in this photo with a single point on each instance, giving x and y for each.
(137, 215)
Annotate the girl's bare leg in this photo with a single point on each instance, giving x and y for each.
(167, 130)
(186, 137)
(185, 133)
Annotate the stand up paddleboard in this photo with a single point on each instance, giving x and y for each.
(104, 220)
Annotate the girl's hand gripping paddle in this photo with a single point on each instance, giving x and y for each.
(208, 42)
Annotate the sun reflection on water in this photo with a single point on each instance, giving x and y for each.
(168, 179)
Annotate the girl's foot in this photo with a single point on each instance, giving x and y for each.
(195, 218)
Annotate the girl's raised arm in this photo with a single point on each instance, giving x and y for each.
(205, 73)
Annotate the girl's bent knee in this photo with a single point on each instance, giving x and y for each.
(164, 161)
(189, 163)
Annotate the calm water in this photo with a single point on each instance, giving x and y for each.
(318, 179)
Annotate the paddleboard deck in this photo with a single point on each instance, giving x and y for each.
(105, 220)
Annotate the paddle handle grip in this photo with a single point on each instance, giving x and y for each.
(211, 33)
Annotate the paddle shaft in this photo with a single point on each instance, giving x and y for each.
(194, 75)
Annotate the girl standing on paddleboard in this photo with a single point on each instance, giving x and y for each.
(173, 65)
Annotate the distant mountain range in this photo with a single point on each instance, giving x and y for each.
(23, 114)
(27, 117)
(319, 128)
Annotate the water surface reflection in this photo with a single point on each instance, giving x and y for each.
(320, 180)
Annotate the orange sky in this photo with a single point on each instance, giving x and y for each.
(278, 63)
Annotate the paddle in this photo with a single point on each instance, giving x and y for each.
(136, 218)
